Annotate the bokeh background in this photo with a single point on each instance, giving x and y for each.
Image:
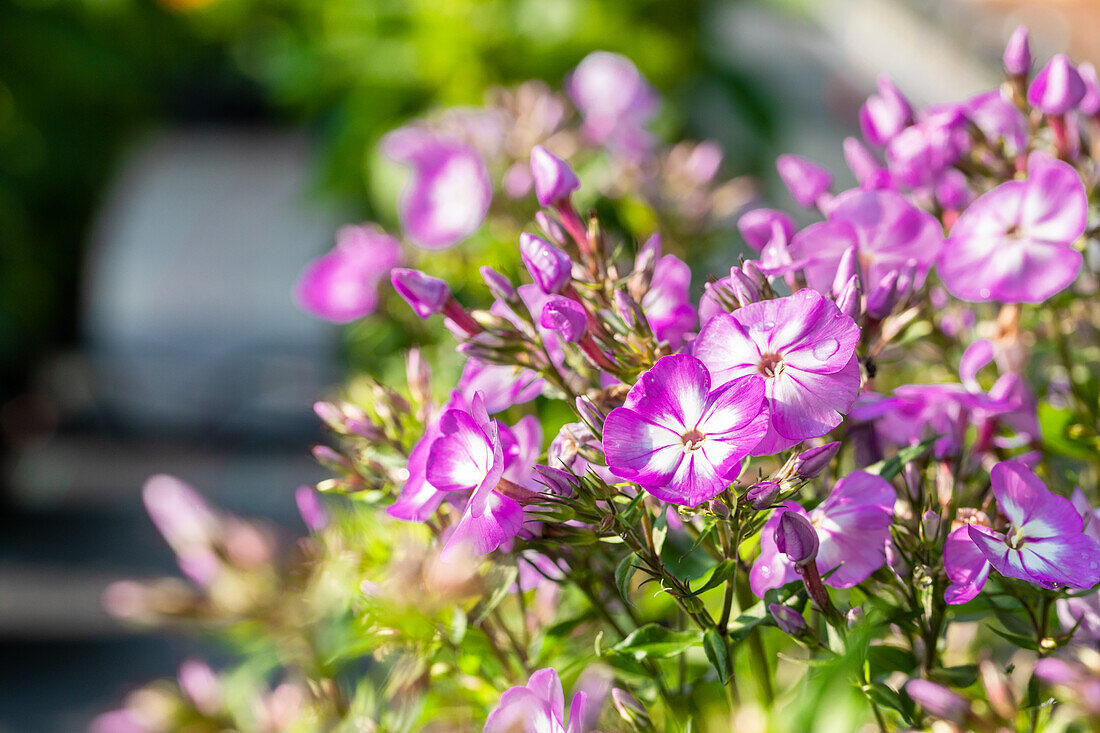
(167, 168)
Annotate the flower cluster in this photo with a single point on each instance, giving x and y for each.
(811, 453)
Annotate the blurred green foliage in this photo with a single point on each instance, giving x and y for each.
(79, 79)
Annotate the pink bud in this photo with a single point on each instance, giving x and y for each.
(762, 495)
(796, 538)
(554, 179)
(426, 295)
(1057, 88)
(806, 180)
(565, 317)
(861, 162)
(885, 114)
(787, 619)
(309, 506)
(1017, 56)
(815, 460)
(500, 286)
(850, 299)
(846, 270)
(884, 297)
(549, 266)
(756, 226)
(938, 700)
(1090, 103)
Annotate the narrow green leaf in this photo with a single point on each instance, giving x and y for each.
(722, 572)
(715, 647)
(623, 574)
(657, 642)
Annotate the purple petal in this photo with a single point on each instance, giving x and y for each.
(966, 566)
(1029, 505)
(672, 393)
(500, 521)
(809, 405)
(639, 450)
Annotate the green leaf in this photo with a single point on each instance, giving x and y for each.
(683, 559)
(623, 573)
(891, 467)
(963, 675)
(1024, 642)
(1055, 423)
(715, 647)
(740, 627)
(657, 642)
(722, 572)
(886, 659)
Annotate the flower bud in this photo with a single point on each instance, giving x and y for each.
(500, 286)
(565, 317)
(930, 525)
(1057, 88)
(913, 478)
(554, 179)
(796, 538)
(846, 270)
(998, 690)
(861, 162)
(787, 619)
(588, 411)
(762, 495)
(850, 299)
(806, 180)
(1090, 103)
(625, 308)
(309, 506)
(938, 700)
(632, 711)
(853, 617)
(756, 226)
(559, 482)
(811, 462)
(199, 683)
(550, 228)
(885, 114)
(884, 296)
(1017, 55)
(719, 508)
(744, 288)
(425, 294)
(549, 266)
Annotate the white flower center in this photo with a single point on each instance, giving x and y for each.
(771, 365)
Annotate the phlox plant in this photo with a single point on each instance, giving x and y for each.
(850, 486)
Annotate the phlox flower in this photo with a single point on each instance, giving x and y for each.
(537, 707)
(1014, 244)
(852, 524)
(449, 192)
(803, 347)
(888, 232)
(615, 101)
(678, 439)
(342, 285)
(500, 385)
(1043, 542)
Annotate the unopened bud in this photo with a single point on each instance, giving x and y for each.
(629, 709)
(796, 538)
(787, 619)
(806, 180)
(550, 267)
(762, 495)
(1017, 55)
(938, 700)
(998, 691)
(853, 617)
(846, 270)
(930, 525)
(757, 226)
(1057, 88)
(565, 317)
(588, 412)
(554, 179)
(744, 288)
(884, 296)
(815, 460)
(625, 307)
(310, 507)
(551, 228)
(850, 299)
(500, 286)
(719, 508)
(559, 482)
(425, 294)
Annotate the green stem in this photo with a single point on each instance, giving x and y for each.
(757, 655)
